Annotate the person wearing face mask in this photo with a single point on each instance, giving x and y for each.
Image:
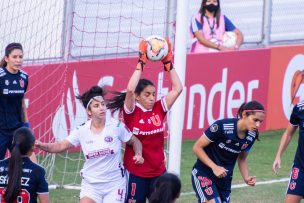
(224, 143)
(208, 27)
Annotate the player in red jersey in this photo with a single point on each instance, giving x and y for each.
(144, 116)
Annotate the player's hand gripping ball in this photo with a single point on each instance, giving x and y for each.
(157, 48)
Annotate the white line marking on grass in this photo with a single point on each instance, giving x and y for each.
(245, 185)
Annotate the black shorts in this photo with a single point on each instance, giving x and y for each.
(296, 182)
(206, 189)
(139, 188)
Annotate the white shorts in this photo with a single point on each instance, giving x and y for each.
(109, 192)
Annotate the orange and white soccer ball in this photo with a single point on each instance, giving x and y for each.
(157, 48)
(229, 39)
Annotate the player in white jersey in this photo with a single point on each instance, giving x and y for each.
(101, 137)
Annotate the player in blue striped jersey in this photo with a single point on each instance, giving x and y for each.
(295, 190)
(223, 143)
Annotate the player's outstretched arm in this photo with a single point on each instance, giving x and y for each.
(177, 86)
(142, 60)
(242, 162)
(285, 140)
(137, 148)
(53, 147)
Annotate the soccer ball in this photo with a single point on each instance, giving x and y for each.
(157, 48)
(229, 39)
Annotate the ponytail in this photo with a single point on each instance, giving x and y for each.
(3, 62)
(14, 174)
(117, 102)
(23, 143)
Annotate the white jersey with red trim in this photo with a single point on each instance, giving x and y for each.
(102, 151)
(148, 127)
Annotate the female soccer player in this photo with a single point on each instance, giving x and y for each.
(295, 190)
(101, 137)
(21, 179)
(223, 143)
(144, 117)
(13, 85)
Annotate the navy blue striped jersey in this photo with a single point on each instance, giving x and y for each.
(33, 180)
(225, 146)
(12, 90)
(297, 119)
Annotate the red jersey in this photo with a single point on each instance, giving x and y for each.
(147, 126)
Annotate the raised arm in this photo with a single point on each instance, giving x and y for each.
(198, 149)
(285, 140)
(177, 86)
(53, 147)
(130, 95)
(176, 90)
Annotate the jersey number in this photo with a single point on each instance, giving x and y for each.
(23, 197)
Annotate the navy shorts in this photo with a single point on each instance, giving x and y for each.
(206, 189)
(6, 140)
(139, 188)
(296, 182)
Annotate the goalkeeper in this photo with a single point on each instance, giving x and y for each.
(145, 118)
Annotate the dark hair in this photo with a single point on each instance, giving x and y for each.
(166, 188)
(117, 102)
(8, 49)
(217, 14)
(90, 94)
(23, 141)
(251, 108)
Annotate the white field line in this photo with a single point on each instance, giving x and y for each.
(71, 187)
(245, 185)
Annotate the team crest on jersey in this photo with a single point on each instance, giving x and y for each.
(108, 139)
(292, 185)
(228, 141)
(244, 146)
(214, 128)
(21, 83)
(6, 82)
(131, 201)
(155, 120)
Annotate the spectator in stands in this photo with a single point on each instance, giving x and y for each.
(295, 190)
(208, 27)
(13, 85)
(166, 189)
(223, 143)
(145, 117)
(100, 138)
(21, 179)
